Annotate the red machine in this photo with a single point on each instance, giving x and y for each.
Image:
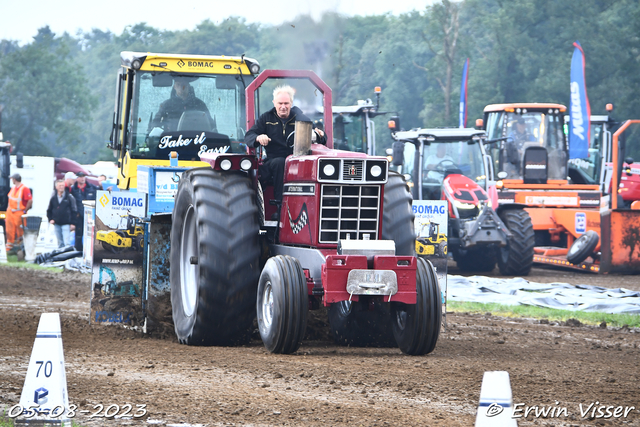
(481, 233)
(345, 239)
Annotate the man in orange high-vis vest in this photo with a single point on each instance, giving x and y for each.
(20, 202)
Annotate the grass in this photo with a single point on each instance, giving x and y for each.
(5, 422)
(550, 314)
(8, 422)
(12, 261)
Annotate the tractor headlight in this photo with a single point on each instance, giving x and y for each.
(225, 164)
(245, 164)
(253, 65)
(462, 205)
(329, 169)
(376, 170)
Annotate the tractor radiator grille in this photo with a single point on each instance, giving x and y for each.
(349, 210)
(352, 170)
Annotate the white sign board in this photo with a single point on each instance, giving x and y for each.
(38, 175)
(430, 212)
(114, 207)
(166, 185)
(431, 227)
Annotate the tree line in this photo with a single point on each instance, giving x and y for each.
(56, 92)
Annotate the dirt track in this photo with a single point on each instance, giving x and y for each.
(322, 384)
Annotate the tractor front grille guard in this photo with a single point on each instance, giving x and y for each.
(349, 212)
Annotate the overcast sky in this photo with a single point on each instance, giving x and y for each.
(20, 19)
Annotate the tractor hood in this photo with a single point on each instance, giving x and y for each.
(460, 188)
(479, 223)
(464, 196)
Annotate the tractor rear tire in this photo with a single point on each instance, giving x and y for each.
(583, 247)
(214, 257)
(282, 304)
(397, 215)
(416, 327)
(482, 260)
(353, 324)
(516, 258)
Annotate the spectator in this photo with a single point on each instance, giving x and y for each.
(62, 213)
(272, 131)
(82, 190)
(69, 180)
(20, 201)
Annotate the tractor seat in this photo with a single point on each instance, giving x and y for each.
(194, 120)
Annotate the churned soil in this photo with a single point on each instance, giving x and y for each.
(561, 368)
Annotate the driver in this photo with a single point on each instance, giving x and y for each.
(272, 130)
(515, 144)
(435, 159)
(182, 99)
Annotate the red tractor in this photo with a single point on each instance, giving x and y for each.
(345, 239)
(451, 164)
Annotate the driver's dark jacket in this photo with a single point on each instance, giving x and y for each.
(271, 125)
(171, 110)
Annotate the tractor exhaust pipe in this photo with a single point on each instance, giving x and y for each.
(302, 139)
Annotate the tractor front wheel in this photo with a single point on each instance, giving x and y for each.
(282, 304)
(516, 258)
(416, 327)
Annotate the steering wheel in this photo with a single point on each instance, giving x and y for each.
(443, 166)
(290, 139)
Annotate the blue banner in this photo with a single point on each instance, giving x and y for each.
(463, 95)
(580, 111)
